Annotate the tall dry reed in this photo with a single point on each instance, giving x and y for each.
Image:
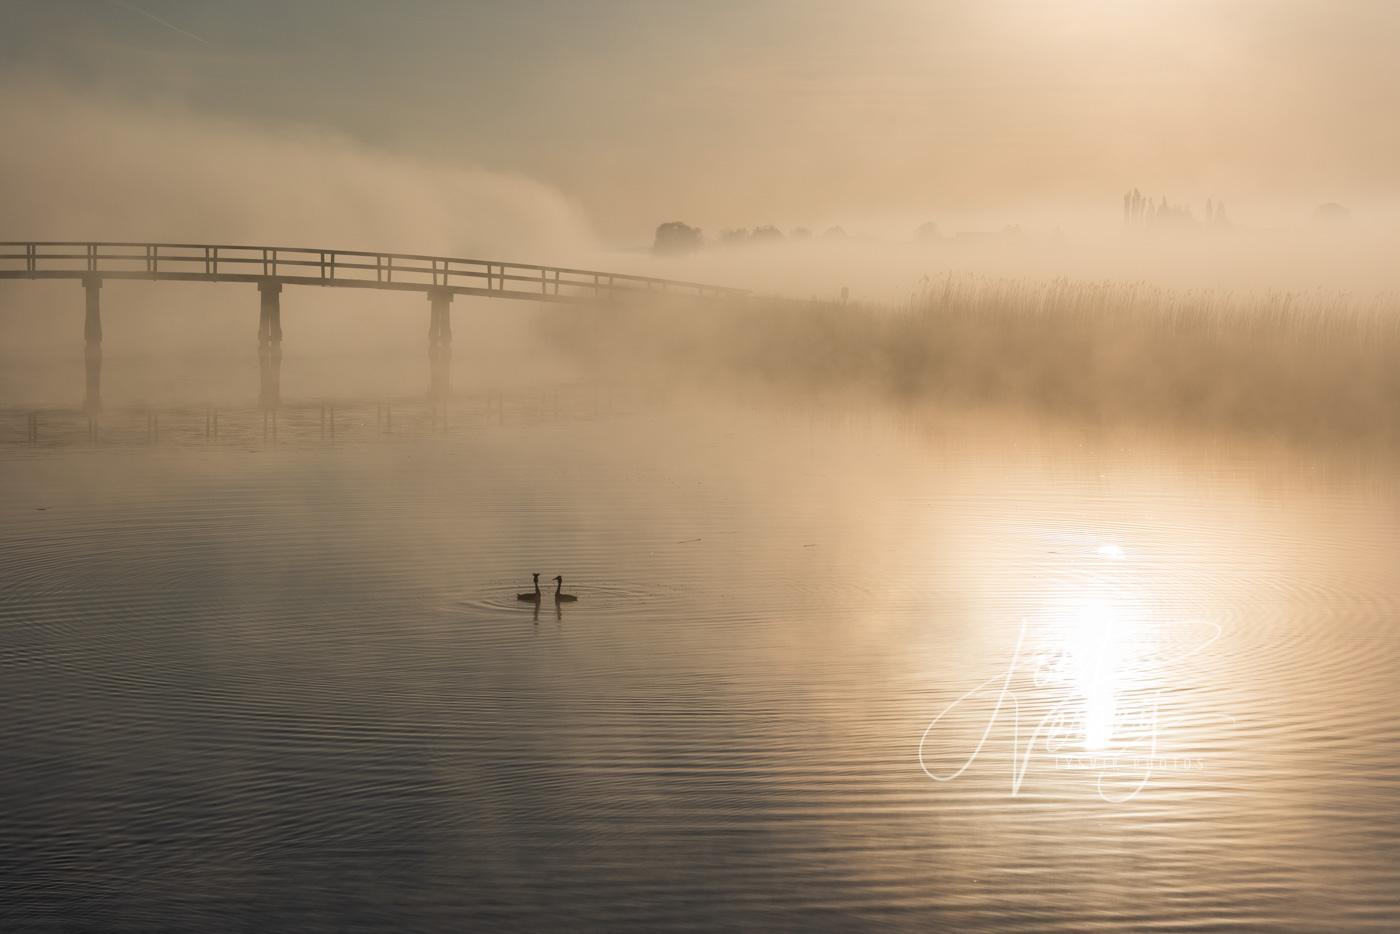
(1312, 362)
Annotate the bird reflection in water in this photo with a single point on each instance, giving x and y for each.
(558, 614)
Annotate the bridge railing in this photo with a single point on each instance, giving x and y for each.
(301, 265)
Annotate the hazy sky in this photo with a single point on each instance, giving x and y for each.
(786, 111)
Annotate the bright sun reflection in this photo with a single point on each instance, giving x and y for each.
(1095, 656)
(1092, 662)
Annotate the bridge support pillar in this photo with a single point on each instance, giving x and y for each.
(440, 316)
(92, 323)
(270, 317)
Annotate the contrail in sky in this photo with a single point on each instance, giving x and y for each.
(156, 19)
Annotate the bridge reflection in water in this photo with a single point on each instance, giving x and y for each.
(92, 391)
(270, 376)
(440, 373)
(268, 418)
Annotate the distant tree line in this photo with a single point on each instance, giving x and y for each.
(1140, 211)
(676, 238)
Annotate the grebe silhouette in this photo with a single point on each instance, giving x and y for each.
(559, 595)
(531, 597)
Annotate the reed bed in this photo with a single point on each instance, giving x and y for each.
(1312, 362)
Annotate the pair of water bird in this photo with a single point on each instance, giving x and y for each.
(559, 595)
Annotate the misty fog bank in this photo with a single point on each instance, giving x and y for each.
(84, 166)
(1283, 248)
(1258, 324)
(80, 167)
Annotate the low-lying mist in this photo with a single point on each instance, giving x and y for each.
(1308, 365)
(1274, 247)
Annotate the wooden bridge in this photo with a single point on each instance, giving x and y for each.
(271, 268)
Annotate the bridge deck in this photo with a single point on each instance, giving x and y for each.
(198, 262)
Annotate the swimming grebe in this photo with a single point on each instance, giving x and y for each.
(559, 595)
(531, 597)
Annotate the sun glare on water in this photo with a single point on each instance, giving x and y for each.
(1094, 653)
(1092, 662)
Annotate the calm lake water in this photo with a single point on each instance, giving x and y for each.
(257, 684)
